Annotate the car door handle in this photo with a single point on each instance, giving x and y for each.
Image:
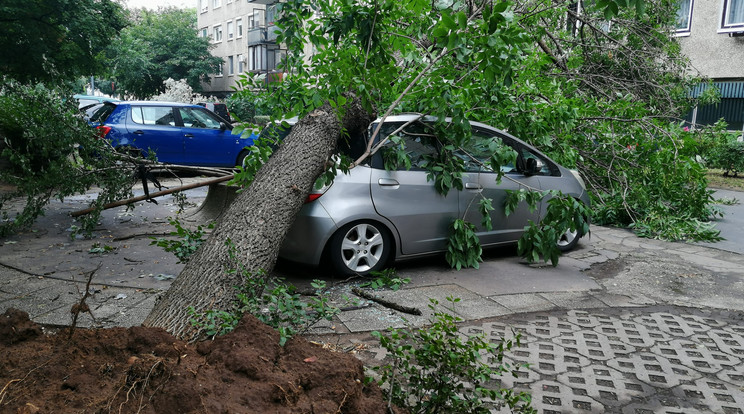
(388, 182)
(473, 186)
(188, 135)
(138, 132)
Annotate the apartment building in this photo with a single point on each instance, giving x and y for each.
(243, 36)
(711, 34)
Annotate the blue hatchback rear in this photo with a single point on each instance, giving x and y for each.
(176, 133)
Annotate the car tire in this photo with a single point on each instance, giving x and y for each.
(360, 248)
(568, 240)
(241, 158)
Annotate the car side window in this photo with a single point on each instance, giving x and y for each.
(418, 143)
(198, 118)
(153, 115)
(476, 154)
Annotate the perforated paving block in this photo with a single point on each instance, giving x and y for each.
(671, 360)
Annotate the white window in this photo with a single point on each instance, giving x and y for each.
(241, 60)
(220, 69)
(204, 32)
(230, 32)
(216, 3)
(203, 6)
(255, 19)
(239, 28)
(217, 33)
(228, 1)
(684, 18)
(230, 65)
(732, 18)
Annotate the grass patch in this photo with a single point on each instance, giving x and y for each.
(718, 181)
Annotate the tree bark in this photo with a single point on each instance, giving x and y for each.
(257, 221)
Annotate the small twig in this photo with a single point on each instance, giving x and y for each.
(386, 303)
(82, 306)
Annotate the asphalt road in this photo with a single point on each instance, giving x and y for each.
(731, 224)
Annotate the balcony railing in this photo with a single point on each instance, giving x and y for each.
(256, 35)
(261, 35)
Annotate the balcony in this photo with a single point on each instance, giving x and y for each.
(261, 35)
(256, 35)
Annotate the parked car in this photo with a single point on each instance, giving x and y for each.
(218, 108)
(370, 216)
(177, 133)
(85, 101)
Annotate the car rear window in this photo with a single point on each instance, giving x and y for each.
(99, 113)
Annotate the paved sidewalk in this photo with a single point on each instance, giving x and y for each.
(623, 324)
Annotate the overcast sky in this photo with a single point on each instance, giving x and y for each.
(154, 4)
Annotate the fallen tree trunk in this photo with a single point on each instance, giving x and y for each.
(257, 221)
(153, 195)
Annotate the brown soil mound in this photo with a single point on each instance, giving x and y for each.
(146, 370)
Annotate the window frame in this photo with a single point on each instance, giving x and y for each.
(230, 29)
(726, 27)
(684, 31)
(217, 33)
(238, 28)
(216, 4)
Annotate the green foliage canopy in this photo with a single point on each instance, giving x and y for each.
(54, 40)
(600, 89)
(159, 45)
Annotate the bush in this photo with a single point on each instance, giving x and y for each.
(437, 370)
(730, 158)
(50, 152)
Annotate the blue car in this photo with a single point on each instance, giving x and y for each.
(176, 133)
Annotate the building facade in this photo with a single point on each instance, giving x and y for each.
(242, 34)
(711, 34)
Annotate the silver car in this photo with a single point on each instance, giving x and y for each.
(371, 216)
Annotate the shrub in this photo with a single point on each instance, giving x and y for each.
(49, 151)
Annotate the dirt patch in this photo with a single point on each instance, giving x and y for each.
(146, 370)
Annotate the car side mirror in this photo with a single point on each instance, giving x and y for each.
(223, 126)
(533, 166)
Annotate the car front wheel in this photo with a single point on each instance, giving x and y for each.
(360, 248)
(568, 240)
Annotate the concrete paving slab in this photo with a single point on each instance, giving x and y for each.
(524, 302)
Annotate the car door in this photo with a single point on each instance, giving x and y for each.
(206, 140)
(154, 129)
(405, 197)
(480, 182)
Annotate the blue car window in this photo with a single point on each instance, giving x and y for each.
(153, 115)
(198, 118)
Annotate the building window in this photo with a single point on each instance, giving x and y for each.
(204, 32)
(684, 17)
(220, 69)
(217, 33)
(230, 32)
(203, 6)
(732, 19)
(241, 60)
(239, 27)
(216, 3)
(230, 65)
